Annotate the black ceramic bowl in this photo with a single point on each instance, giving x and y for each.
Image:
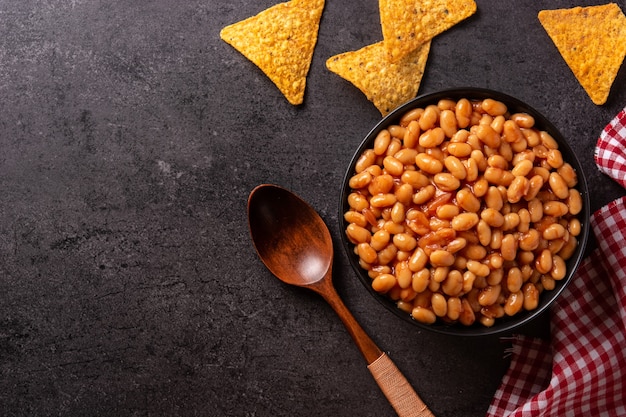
(514, 105)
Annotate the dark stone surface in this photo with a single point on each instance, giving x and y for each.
(130, 137)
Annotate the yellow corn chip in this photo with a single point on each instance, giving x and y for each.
(280, 41)
(384, 83)
(592, 41)
(406, 24)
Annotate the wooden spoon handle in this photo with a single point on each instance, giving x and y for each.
(393, 384)
(366, 345)
(397, 389)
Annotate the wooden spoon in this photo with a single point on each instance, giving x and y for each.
(294, 243)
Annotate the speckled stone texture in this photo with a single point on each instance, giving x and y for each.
(130, 138)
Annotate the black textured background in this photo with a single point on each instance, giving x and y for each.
(130, 138)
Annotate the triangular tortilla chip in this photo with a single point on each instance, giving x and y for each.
(592, 41)
(406, 24)
(280, 41)
(384, 83)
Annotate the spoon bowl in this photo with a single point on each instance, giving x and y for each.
(290, 237)
(294, 243)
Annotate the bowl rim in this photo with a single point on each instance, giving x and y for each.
(514, 105)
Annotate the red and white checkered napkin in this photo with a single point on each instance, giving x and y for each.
(610, 153)
(581, 371)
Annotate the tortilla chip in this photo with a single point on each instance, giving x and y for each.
(280, 41)
(406, 24)
(592, 41)
(384, 83)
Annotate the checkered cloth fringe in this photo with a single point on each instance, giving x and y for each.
(581, 371)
